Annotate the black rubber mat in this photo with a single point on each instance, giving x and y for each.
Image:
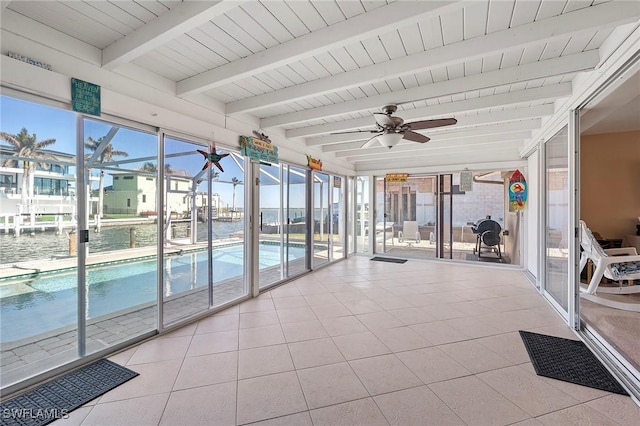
(568, 360)
(388, 259)
(56, 399)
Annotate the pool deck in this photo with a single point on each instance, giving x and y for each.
(63, 262)
(38, 353)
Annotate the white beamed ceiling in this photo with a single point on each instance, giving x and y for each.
(313, 68)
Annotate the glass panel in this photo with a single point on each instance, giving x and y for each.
(485, 202)
(378, 228)
(557, 217)
(295, 180)
(38, 206)
(337, 219)
(362, 214)
(445, 233)
(271, 252)
(206, 267)
(351, 241)
(227, 229)
(121, 267)
(410, 209)
(186, 216)
(321, 215)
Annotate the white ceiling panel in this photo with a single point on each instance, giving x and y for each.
(453, 26)
(308, 14)
(138, 10)
(88, 10)
(330, 12)
(411, 39)
(242, 19)
(236, 32)
(117, 13)
(205, 36)
(196, 51)
(554, 48)
(500, 12)
(370, 5)
(475, 19)
(376, 50)
(286, 17)
(576, 4)
(524, 12)
(351, 8)
(155, 7)
(550, 8)
(313, 65)
(393, 44)
(358, 54)
(265, 19)
(463, 59)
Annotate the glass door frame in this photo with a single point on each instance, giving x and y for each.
(253, 227)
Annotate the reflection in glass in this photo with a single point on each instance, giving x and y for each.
(122, 192)
(557, 217)
(321, 218)
(38, 212)
(362, 214)
(200, 272)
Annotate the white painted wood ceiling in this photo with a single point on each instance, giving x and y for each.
(318, 67)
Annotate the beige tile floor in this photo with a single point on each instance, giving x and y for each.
(360, 343)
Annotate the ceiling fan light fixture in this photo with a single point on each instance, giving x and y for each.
(390, 139)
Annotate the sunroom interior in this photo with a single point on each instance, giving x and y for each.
(126, 192)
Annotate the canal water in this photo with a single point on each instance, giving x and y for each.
(46, 245)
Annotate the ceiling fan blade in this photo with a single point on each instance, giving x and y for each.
(415, 137)
(371, 142)
(356, 131)
(383, 119)
(429, 124)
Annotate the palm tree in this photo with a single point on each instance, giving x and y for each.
(106, 155)
(235, 182)
(28, 146)
(149, 167)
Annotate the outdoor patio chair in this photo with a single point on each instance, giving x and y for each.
(409, 233)
(617, 264)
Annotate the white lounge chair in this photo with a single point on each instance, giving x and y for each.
(409, 233)
(617, 264)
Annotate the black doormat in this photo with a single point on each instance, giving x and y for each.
(489, 258)
(56, 399)
(388, 259)
(568, 360)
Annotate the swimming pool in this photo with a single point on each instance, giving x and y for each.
(49, 301)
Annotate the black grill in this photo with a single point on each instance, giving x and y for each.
(487, 237)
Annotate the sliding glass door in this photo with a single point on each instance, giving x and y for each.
(121, 193)
(282, 223)
(557, 236)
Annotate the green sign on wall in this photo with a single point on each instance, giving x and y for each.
(85, 97)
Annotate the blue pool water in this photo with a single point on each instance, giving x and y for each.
(49, 302)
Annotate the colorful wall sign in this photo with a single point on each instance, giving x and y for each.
(396, 177)
(517, 192)
(258, 150)
(314, 163)
(85, 97)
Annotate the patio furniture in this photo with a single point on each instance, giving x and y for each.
(409, 233)
(617, 264)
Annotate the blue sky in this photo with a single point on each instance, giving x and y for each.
(50, 122)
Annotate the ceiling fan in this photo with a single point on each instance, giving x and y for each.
(390, 130)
